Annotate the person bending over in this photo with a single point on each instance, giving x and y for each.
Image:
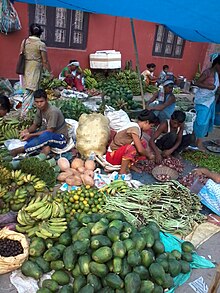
(49, 129)
(127, 147)
(168, 139)
(5, 105)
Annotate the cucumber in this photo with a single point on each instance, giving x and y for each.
(117, 265)
(65, 238)
(115, 216)
(78, 283)
(100, 227)
(87, 289)
(119, 249)
(66, 289)
(43, 264)
(100, 270)
(61, 277)
(114, 281)
(102, 254)
(142, 272)
(84, 261)
(132, 283)
(31, 269)
(117, 224)
(56, 265)
(69, 258)
(146, 286)
(113, 234)
(94, 281)
(147, 258)
(51, 254)
(100, 240)
(37, 247)
(51, 285)
(133, 258)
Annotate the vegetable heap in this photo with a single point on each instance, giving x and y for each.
(169, 204)
(104, 253)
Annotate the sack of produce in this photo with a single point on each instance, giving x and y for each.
(117, 119)
(190, 118)
(92, 134)
(13, 250)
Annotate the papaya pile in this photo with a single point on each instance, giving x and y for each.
(104, 253)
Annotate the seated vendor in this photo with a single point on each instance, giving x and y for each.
(163, 102)
(49, 129)
(72, 75)
(168, 139)
(5, 105)
(148, 74)
(127, 147)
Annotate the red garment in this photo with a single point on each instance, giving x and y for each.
(125, 152)
(78, 84)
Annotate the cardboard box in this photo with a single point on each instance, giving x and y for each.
(107, 59)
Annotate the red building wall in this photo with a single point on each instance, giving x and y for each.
(105, 32)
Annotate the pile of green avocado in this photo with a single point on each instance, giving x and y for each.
(104, 253)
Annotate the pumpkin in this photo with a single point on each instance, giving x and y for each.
(77, 163)
(63, 163)
(90, 165)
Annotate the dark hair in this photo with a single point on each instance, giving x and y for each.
(216, 61)
(151, 65)
(74, 60)
(40, 94)
(35, 30)
(148, 115)
(179, 116)
(165, 67)
(5, 103)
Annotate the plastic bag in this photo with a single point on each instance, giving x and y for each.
(190, 118)
(92, 134)
(14, 143)
(5, 87)
(11, 263)
(117, 119)
(9, 20)
(72, 127)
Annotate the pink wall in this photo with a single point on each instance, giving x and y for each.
(105, 32)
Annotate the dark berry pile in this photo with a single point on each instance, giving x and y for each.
(10, 247)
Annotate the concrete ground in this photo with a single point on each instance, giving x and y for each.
(211, 248)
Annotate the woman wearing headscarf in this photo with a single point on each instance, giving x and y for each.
(204, 100)
(72, 75)
(35, 60)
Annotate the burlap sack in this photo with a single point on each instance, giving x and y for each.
(92, 134)
(8, 264)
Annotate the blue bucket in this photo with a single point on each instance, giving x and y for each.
(217, 115)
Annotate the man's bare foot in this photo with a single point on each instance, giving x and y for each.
(201, 147)
(17, 151)
(134, 168)
(45, 150)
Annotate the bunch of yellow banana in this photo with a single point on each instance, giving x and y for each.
(11, 133)
(52, 228)
(30, 230)
(116, 186)
(20, 196)
(24, 218)
(5, 175)
(3, 190)
(39, 185)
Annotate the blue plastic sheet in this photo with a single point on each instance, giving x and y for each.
(171, 242)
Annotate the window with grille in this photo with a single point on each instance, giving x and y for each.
(63, 28)
(167, 44)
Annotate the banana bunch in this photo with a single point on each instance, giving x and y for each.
(20, 196)
(24, 218)
(39, 185)
(7, 197)
(90, 82)
(11, 133)
(116, 186)
(22, 178)
(5, 175)
(3, 190)
(87, 72)
(52, 228)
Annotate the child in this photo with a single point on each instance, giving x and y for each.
(168, 138)
(127, 145)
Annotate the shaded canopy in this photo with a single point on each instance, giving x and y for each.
(193, 20)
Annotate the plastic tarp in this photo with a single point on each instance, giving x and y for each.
(171, 243)
(193, 20)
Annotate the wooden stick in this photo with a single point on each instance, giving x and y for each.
(215, 282)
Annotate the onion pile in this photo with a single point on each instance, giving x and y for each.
(189, 179)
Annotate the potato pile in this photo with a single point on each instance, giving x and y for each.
(76, 173)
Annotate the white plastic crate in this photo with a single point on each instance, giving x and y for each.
(107, 59)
